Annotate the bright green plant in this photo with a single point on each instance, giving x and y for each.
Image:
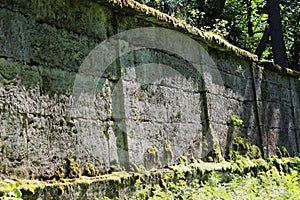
(10, 189)
(235, 121)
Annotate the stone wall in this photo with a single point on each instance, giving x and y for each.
(149, 105)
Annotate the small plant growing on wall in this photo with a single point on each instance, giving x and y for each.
(235, 121)
(239, 69)
(151, 158)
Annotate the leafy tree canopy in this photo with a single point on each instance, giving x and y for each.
(244, 23)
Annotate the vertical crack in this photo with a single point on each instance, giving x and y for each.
(256, 110)
(293, 101)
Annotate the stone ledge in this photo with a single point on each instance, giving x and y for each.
(165, 20)
(123, 184)
(280, 70)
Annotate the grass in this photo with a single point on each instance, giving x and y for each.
(241, 178)
(266, 185)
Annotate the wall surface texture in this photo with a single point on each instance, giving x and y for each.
(147, 106)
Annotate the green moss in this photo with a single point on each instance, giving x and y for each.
(60, 172)
(9, 70)
(285, 164)
(278, 152)
(245, 165)
(271, 66)
(152, 150)
(285, 152)
(113, 168)
(165, 20)
(143, 193)
(210, 159)
(181, 170)
(239, 69)
(261, 164)
(254, 152)
(15, 188)
(240, 145)
(194, 160)
(235, 121)
(72, 168)
(167, 154)
(215, 154)
(154, 184)
(134, 167)
(90, 170)
(232, 155)
(182, 160)
(151, 158)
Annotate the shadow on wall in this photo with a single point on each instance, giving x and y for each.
(158, 99)
(278, 106)
(266, 101)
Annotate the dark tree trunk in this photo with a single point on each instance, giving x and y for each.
(278, 47)
(214, 10)
(201, 5)
(263, 42)
(201, 8)
(220, 7)
(249, 14)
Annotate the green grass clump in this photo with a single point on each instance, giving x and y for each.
(266, 185)
(243, 179)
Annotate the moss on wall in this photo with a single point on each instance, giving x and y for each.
(60, 34)
(125, 185)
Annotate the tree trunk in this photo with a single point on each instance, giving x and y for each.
(220, 7)
(278, 47)
(249, 14)
(201, 8)
(263, 42)
(214, 10)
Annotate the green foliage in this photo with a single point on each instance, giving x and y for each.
(243, 16)
(167, 153)
(70, 170)
(239, 69)
(271, 184)
(290, 14)
(60, 172)
(235, 121)
(240, 147)
(11, 189)
(183, 160)
(90, 170)
(254, 152)
(283, 152)
(242, 23)
(240, 144)
(152, 150)
(240, 179)
(151, 158)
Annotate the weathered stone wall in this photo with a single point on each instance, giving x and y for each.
(43, 45)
